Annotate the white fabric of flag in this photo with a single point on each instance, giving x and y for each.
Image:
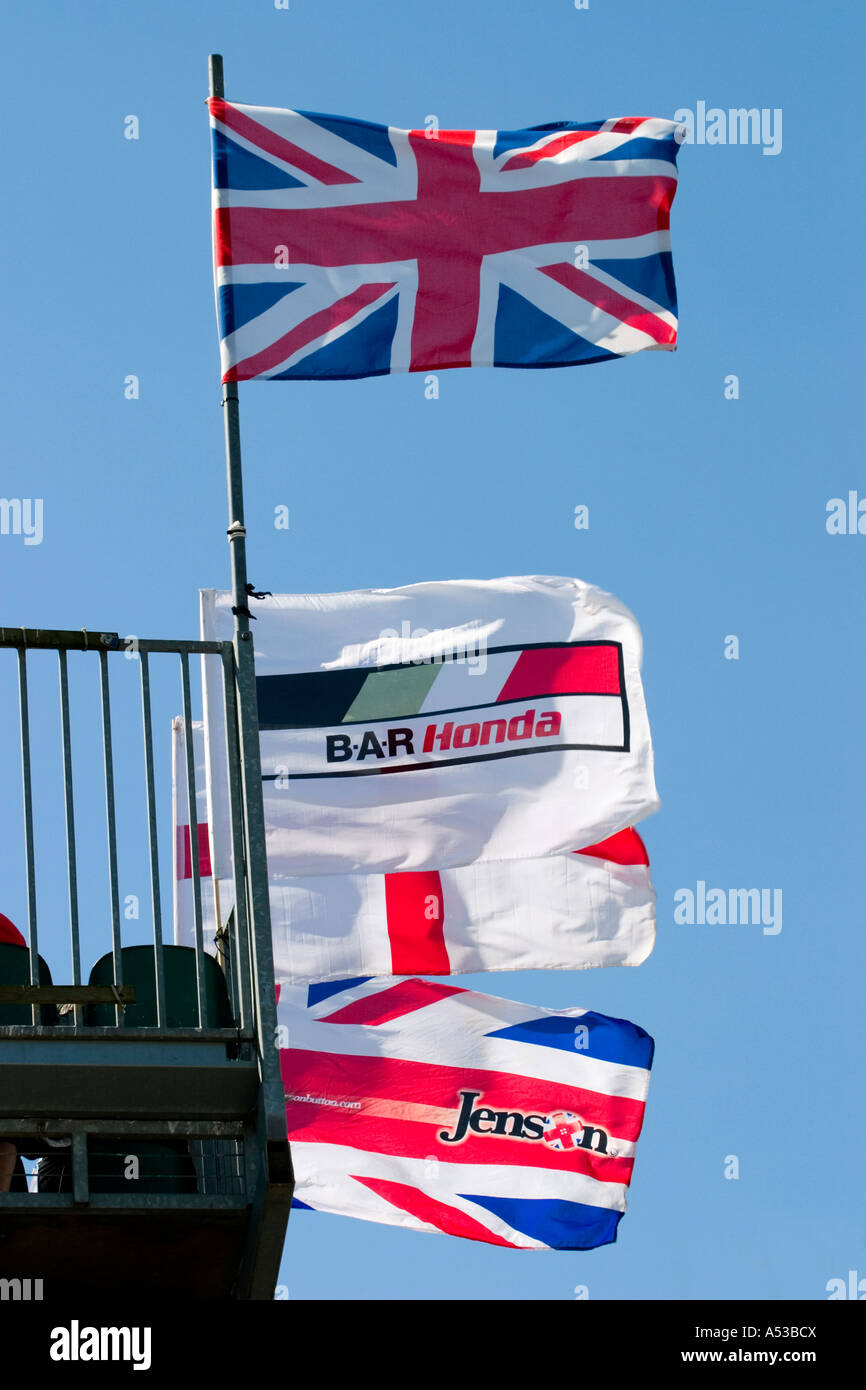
(563, 912)
(445, 724)
(575, 911)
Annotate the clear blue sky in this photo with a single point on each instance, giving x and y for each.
(707, 517)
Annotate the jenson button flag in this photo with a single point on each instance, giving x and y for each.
(594, 907)
(347, 249)
(420, 1104)
(444, 724)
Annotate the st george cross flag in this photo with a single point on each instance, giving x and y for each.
(594, 907)
(419, 1104)
(182, 897)
(344, 248)
(446, 723)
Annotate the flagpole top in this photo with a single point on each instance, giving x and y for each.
(215, 75)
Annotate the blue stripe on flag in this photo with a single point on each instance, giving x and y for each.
(523, 334)
(316, 993)
(652, 276)
(240, 303)
(235, 167)
(560, 1224)
(607, 1039)
(367, 135)
(520, 139)
(363, 351)
(641, 148)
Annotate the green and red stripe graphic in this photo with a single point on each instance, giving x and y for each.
(499, 675)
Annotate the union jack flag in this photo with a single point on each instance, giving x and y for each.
(420, 1104)
(348, 249)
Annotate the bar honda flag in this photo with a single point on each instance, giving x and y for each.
(182, 878)
(420, 1104)
(445, 724)
(594, 907)
(344, 248)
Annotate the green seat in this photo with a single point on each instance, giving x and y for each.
(180, 989)
(163, 1166)
(15, 970)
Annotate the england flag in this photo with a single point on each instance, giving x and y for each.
(183, 894)
(593, 907)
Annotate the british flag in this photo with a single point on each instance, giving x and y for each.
(420, 1104)
(349, 249)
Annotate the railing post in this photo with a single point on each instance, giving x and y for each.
(29, 852)
(111, 825)
(152, 840)
(71, 864)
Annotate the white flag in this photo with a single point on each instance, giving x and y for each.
(445, 724)
(593, 907)
(564, 912)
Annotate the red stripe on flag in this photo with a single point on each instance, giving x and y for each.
(527, 158)
(627, 124)
(204, 863)
(415, 914)
(545, 671)
(309, 1123)
(451, 220)
(184, 852)
(334, 316)
(272, 143)
(458, 138)
(342, 1077)
(611, 302)
(449, 271)
(400, 999)
(439, 1214)
(626, 847)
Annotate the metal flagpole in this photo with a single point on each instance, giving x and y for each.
(279, 1168)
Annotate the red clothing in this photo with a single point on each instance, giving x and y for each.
(9, 933)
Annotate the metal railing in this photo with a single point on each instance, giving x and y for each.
(105, 648)
(196, 1087)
